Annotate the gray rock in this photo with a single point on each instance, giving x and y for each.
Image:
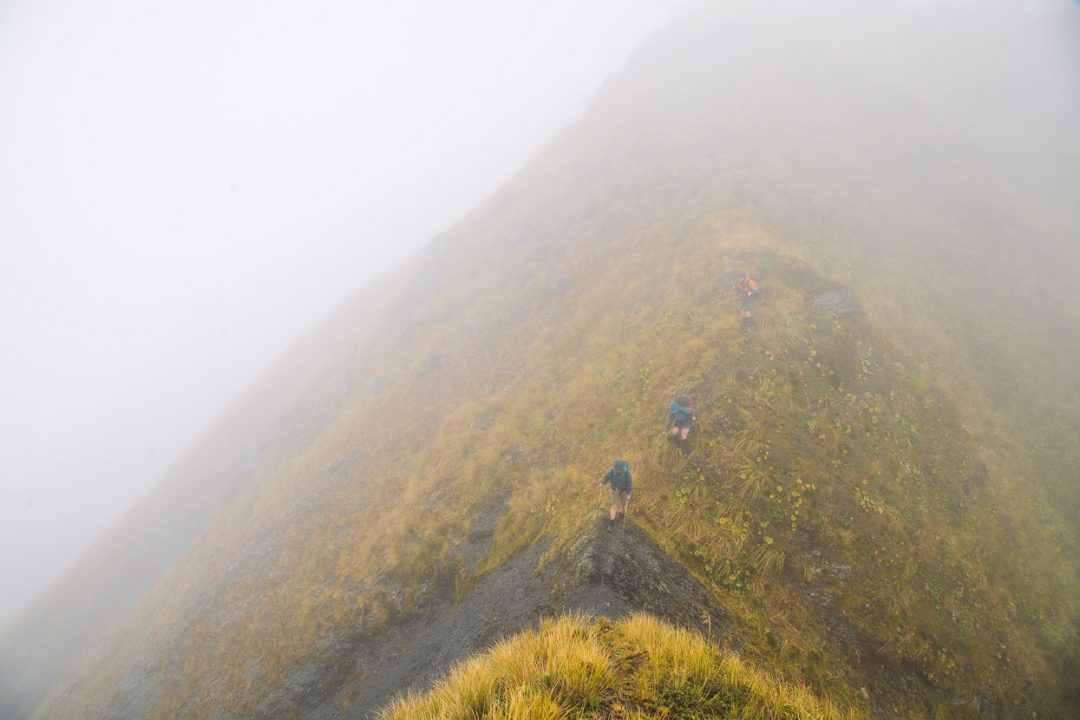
(839, 301)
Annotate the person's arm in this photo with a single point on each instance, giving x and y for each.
(629, 483)
(606, 478)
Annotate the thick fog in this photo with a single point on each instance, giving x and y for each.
(186, 187)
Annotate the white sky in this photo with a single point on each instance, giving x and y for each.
(185, 187)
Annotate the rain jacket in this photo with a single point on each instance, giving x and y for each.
(619, 482)
(679, 415)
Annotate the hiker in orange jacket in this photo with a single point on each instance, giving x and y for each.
(748, 291)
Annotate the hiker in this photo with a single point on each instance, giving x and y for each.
(748, 291)
(618, 475)
(681, 415)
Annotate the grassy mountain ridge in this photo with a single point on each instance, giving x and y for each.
(881, 498)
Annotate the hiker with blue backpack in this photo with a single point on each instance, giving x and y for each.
(681, 416)
(618, 476)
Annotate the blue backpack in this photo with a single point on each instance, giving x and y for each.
(680, 411)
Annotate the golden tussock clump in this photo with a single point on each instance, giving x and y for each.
(635, 668)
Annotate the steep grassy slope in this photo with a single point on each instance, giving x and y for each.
(881, 498)
(638, 668)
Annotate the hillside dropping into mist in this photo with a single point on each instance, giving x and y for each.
(881, 503)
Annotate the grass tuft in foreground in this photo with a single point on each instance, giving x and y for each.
(574, 667)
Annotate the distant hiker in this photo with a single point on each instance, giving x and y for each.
(618, 476)
(680, 416)
(748, 292)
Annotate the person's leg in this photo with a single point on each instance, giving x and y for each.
(614, 503)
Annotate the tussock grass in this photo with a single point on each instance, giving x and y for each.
(574, 667)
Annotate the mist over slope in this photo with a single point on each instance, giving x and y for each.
(288, 407)
(883, 499)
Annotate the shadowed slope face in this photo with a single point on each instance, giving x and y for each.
(880, 497)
